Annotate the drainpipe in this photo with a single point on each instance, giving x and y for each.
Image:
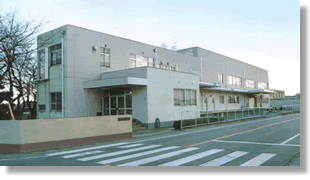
(62, 74)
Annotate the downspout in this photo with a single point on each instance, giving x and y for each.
(62, 74)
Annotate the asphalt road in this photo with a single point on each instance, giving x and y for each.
(264, 142)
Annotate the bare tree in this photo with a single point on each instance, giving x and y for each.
(17, 61)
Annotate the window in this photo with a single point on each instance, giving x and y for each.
(42, 107)
(234, 80)
(265, 100)
(193, 98)
(233, 99)
(56, 101)
(185, 97)
(105, 57)
(151, 62)
(249, 83)
(41, 55)
(55, 54)
(220, 77)
(262, 85)
(222, 99)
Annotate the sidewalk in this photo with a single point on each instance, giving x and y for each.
(295, 161)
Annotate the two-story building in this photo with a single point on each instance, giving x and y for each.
(87, 73)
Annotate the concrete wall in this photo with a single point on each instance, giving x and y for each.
(10, 132)
(160, 95)
(43, 130)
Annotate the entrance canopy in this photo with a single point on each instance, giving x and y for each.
(117, 81)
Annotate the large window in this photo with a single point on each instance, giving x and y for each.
(56, 101)
(41, 56)
(250, 83)
(105, 57)
(55, 54)
(234, 80)
(220, 77)
(233, 99)
(222, 99)
(140, 61)
(185, 97)
(262, 85)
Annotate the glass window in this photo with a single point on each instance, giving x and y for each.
(262, 85)
(188, 97)
(234, 80)
(55, 54)
(220, 77)
(56, 101)
(128, 101)
(105, 57)
(182, 97)
(193, 98)
(176, 96)
(41, 55)
(222, 99)
(249, 83)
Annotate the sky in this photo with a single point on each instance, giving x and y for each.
(262, 33)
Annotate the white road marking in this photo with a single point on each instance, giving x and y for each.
(155, 158)
(258, 160)
(117, 153)
(82, 154)
(290, 139)
(85, 149)
(192, 158)
(245, 142)
(129, 146)
(225, 159)
(136, 155)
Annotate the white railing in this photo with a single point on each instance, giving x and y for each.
(199, 118)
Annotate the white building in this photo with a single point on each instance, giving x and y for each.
(88, 73)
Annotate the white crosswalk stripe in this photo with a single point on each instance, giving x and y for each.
(155, 158)
(192, 158)
(258, 160)
(136, 155)
(82, 154)
(117, 153)
(130, 146)
(225, 159)
(130, 153)
(85, 149)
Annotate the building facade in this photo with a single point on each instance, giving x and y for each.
(87, 73)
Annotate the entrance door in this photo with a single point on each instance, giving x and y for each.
(117, 101)
(117, 105)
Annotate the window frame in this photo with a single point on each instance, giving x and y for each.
(262, 85)
(234, 80)
(103, 55)
(233, 99)
(54, 50)
(55, 102)
(220, 78)
(186, 97)
(250, 83)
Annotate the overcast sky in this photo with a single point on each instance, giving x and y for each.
(263, 33)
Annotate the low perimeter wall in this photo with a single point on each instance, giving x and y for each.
(30, 135)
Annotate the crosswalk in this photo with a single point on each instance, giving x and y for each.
(126, 154)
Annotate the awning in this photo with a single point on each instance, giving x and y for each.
(204, 84)
(114, 82)
(263, 91)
